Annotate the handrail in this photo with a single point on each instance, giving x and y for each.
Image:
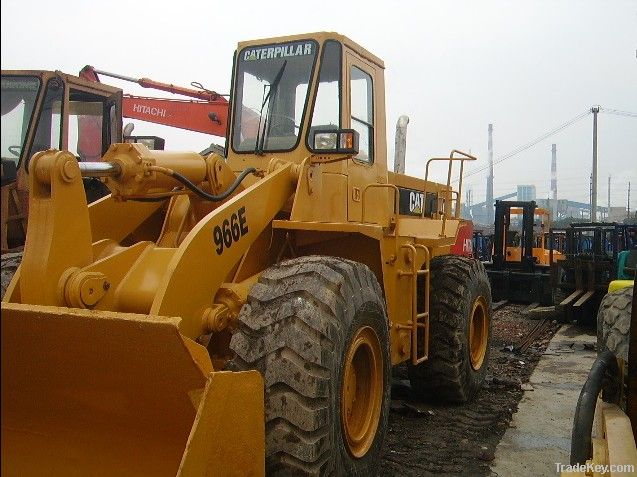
(392, 223)
(451, 158)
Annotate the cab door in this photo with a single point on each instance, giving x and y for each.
(364, 113)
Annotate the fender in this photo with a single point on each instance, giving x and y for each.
(464, 242)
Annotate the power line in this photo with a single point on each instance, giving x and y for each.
(530, 144)
(618, 112)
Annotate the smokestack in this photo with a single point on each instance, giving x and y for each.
(554, 178)
(608, 214)
(401, 144)
(594, 110)
(489, 204)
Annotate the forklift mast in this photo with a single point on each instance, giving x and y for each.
(500, 239)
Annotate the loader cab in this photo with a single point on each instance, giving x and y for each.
(44, 110)
(51, 110)
(318, 96)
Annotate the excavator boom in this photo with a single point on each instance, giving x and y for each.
(205, 112)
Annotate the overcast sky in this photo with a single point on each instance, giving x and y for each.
(452, 66)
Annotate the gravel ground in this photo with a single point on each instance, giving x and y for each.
(9, 264)
(433, 439)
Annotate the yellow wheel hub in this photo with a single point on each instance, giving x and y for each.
(478, 332)
(362, 391)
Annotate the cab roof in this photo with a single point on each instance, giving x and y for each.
(44, 75)
(320, 37)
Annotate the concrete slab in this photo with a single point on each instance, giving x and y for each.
(540, 433)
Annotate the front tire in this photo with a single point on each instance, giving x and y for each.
(460, 331)
(316, 328)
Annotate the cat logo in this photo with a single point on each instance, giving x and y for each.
(416, 200)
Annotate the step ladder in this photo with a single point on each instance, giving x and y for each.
(418, 320)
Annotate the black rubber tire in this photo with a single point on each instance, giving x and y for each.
(9, 264)
(613, 322)
(296, 328)
(456, 283)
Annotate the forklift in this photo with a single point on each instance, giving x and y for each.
(595, 254)
(519, 271)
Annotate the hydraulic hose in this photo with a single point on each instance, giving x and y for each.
(585, 410)
(201, 193)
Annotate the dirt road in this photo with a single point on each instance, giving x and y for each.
(432, 439)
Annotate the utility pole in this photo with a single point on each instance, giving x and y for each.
(594, 110)
(554, 179)
(590, 197)
(489, 204)
(628, 207)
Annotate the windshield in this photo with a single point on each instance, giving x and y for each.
(19, 94)
(271, 95)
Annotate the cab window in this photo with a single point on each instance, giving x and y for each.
(327, 107)
(362, 112)
(48, 133)
(87, 138)
(19, 94)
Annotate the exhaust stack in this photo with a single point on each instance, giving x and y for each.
(401, 144)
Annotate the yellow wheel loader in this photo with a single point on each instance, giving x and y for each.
(241, 315)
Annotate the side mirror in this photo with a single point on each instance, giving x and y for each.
(338, 141)
(128, 129)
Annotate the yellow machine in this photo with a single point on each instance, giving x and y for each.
(541, 250)
(520, 267)
(240, 316)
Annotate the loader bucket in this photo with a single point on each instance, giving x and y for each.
(101, 393)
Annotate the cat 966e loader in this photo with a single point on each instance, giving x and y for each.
(240, 315)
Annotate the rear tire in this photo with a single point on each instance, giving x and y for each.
(613, 322)
(316, 329)
(613, 334)
(459, 331)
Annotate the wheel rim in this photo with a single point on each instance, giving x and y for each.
(478, 333)
(362, 391)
